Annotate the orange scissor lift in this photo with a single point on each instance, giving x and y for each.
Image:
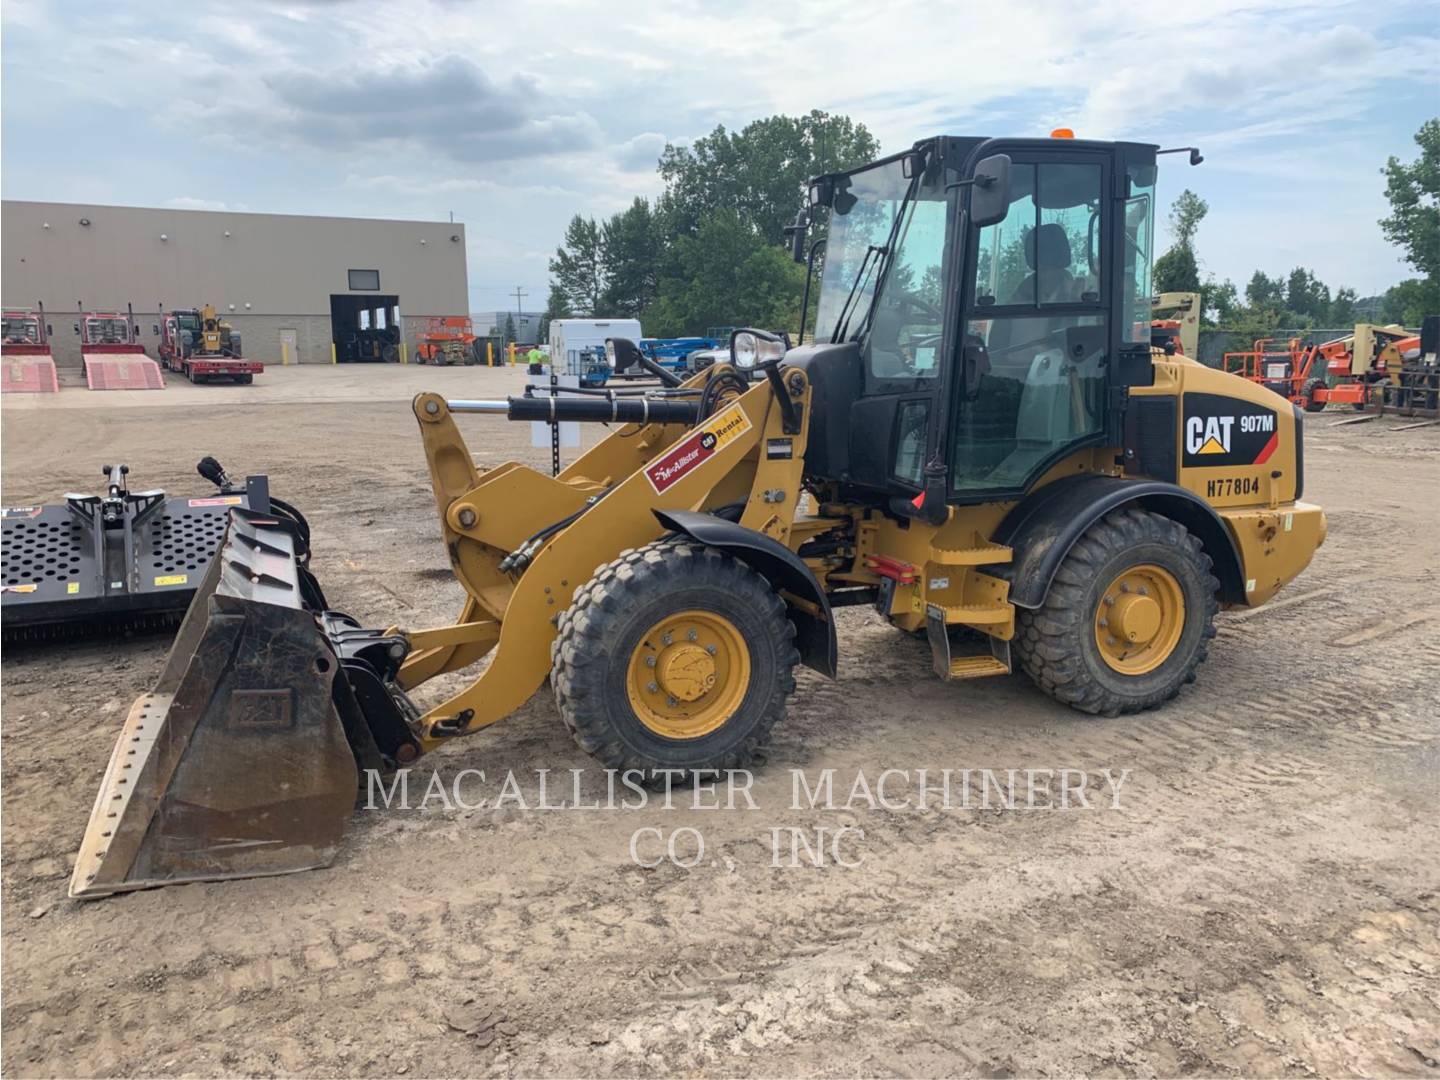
(446, 339)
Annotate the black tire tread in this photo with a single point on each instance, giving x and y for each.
(1047, 639)
(578, 657)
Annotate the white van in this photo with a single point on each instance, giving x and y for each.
(570, 338)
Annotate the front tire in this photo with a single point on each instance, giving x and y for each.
(1128, 619)
(674, 656)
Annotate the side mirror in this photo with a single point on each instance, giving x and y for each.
(154, 328)
(796, 235)
(77, 327)
(990, 191)
(49, 330)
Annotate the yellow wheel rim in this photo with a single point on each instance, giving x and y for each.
(1139, 619)
(688, 675)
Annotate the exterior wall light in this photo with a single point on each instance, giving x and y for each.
(163, 237)
(85, 221)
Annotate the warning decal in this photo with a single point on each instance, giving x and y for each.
(696, 448)
(9, 512)
(172, 579)
(218, 500)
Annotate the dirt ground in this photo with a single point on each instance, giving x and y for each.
(1265, 899)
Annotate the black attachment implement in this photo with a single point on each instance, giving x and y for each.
(121, 562)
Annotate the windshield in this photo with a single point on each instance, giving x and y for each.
(106, 331)
(20, 331)
(189, 322)
(860, 219)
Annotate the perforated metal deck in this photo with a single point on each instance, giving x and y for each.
(56, 566)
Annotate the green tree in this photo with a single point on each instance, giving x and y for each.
(509, 331)
(556, 307)
(1178, 270)
(727, 275)
(1264, 291)
(1342, 309)
(579, 266)
(759, 172)
(1220, 298)
(1414, 194)
(1410, 301)
(631, 247)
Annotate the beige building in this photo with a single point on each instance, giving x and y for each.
(296, 289)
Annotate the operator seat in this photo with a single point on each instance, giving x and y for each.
(1046, 247)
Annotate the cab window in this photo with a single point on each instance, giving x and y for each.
(1047, 250)
(905, 330)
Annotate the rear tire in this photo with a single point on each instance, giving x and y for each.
(1061, 645)
(614, 628)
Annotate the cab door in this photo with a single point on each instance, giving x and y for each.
(1036, 336)
(901, 354)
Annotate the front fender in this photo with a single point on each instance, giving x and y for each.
(772, 560)
(1044, 526)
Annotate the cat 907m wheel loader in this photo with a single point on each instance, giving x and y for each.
(980, 444)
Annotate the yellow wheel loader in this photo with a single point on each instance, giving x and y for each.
(980, 444)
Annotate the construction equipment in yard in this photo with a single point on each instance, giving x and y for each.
(1175, 323)
(26, 366)
(981, 445)
(122, 561)
(448, 340)
(112, 355)
(1352, 370)
(200, 345)
(1415, 389)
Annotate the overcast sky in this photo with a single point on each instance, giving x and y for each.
(516, 116)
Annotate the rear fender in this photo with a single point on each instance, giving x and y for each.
(1044, 526)
(786, 572)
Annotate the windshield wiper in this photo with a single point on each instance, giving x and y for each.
(881, 264)
(842, 321)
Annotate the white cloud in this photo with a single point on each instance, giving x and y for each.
(521, 113)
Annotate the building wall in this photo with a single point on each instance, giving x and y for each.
(263, 272)
(492, 323)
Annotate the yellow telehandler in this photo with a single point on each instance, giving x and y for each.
(980, 444)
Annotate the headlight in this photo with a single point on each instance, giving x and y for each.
(751, 347)
(743, 350)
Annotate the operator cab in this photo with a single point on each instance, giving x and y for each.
(983, 304)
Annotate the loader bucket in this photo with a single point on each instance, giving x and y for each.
(237, 763)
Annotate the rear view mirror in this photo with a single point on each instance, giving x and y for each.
(796, 235)
(77, 327)
(990, 191)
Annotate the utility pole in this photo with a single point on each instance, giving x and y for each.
(519, 315)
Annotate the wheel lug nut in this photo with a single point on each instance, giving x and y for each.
(1109, 601)
(691, 636)
(710, 649)
(652, 687)
(1104, 622)
(667, 637)
(649, 661)
(1110, 640)
(672, 702)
